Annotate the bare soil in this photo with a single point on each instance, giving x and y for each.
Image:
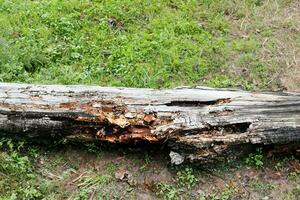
(134, 174)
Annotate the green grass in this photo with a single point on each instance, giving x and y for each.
(17, 177)
(137, 43)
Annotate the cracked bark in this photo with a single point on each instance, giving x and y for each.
(199, 124)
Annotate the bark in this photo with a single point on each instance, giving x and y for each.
(198, 124)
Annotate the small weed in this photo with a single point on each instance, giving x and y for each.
(278, 166)
(260, 186)
(226, 194)
(100, 196)
(50, 188)
(255, 159)
(296, 191)
(94, 180)
(292, 194)
(166, 191)
(111, 168)
(92, 147)
(90, 184)
(186, 178)
(294, 176)
(83, 194)
(147, 160)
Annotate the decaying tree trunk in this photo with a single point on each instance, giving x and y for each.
(197, 124)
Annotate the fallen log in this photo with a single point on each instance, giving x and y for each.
(198, 124)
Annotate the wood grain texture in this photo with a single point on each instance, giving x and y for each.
(197, 124)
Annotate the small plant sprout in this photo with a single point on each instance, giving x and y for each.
(255, 159)
(186, 178)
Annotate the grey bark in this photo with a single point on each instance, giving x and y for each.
(198, 124)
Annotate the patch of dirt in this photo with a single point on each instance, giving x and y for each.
(291, 78)
(76, 170)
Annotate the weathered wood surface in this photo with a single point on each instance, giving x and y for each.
(197, 124)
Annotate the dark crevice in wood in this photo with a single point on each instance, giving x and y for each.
(233, 128)
(294, 104)
(221, 112)
(60, 116)
(186, 103)
(211, 130)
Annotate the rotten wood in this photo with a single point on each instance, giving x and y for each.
(198, 124)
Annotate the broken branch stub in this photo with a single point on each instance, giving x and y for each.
(198, 124)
